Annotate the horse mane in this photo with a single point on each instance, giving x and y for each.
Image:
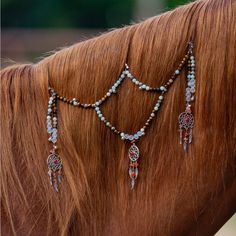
(178, 193)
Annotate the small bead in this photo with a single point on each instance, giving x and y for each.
(161, 97)
(152, 114)
(162, 88)
(177, 72)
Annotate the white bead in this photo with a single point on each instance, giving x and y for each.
(129, 75)
(108, 123)
(131, 137)
(97, 103)
(122, 75)
(122, 134)
(156, 108)
(137, 82)
(97, 109)
(177, 72)
(108, 94)
(147, 88)
(161, 97)
(134, 80)
(189, 76)
(100, 115)
(152, 114)
(49, 110)
(142, 130)
(171, 80)
(102, 118)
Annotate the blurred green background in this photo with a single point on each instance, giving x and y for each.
(32, 28)
(77, 13)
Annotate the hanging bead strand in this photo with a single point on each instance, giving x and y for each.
(53, 161)
(186, 118)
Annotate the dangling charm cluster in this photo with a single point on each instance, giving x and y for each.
(54, 162)
(133, 165)
(186, 119)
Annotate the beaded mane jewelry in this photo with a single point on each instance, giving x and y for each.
(186, 119)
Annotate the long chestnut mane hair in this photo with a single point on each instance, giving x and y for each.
(177, 193)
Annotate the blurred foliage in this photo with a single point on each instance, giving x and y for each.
(175, 3)
(64, 13)
(73, 13)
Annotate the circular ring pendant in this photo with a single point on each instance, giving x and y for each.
(54, 162)
(186, 120)
(133, 153)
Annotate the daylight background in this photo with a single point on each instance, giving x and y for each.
(31, 29)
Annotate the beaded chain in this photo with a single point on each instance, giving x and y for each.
(185, 119)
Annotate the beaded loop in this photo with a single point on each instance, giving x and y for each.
(186, 120)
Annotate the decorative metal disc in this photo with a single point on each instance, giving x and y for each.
(54, 162)
(133, 153)
(186, 120)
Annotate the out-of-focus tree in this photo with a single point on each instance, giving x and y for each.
(63, 13)
(77, 13)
